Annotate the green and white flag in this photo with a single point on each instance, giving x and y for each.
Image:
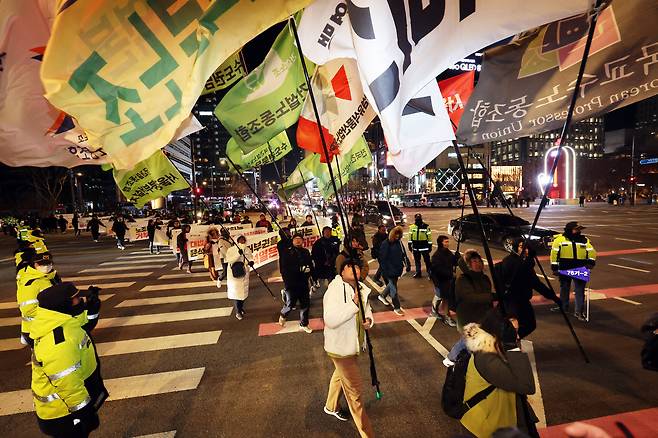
(300, 176)
(269, 99)
(149, 179)
(269, 152)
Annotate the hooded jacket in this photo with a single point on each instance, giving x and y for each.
(442, 262)
(324, 252)
(472, 295)
(30, 282)
(510, 375)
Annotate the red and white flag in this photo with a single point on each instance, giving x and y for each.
(344, 109)
(456, 91)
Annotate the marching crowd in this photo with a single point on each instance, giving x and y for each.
(489, 377)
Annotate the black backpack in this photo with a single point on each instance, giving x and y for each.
(452, 395)
(237, 269)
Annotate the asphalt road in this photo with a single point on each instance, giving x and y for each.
(177, 362)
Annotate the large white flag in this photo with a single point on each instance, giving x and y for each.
(344, 110)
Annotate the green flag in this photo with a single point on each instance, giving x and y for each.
(269, 152)
(269, 99)
(300, 176)
(149, 179)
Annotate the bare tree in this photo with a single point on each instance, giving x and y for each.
(48, 183)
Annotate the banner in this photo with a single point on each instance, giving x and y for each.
(456, 91)
(269, 99)
(275, 149)
(32, 131)
(131, 73)
(344, 110)
(150, 179)
(525, 87)
(226, 75)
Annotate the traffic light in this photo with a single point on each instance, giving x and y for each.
(197, 191)
(632, 179)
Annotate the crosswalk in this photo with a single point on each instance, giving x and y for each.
(131, 286)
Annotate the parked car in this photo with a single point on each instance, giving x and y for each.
(502, 229)
(379, 213)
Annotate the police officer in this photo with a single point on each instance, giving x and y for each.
(336, 228)
(420, 243)
(32, 236)
(36, 273)
(67, 387)
(572, 250)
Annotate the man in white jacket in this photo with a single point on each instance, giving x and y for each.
(344, 339)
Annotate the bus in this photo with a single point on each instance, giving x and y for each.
(444, 199)
(413, 200)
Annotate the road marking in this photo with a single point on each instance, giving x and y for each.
(592, 235)
(174, 286)
(183, 275)
(628, 267)
(7, 259)
(169, 434)
(107, 276)
(146, 256)
(635, 261)
(640, 424)
(123, 268)
(628, 240)
(154, 318)
(443, 351)
(536, 400)
(626, 300)
(108, 285)
(173, 299)
(158, 343)
(275, 279)
(17, 402)
(134, 262)
(627, 291)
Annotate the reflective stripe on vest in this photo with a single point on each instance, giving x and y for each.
(28, 302)
(77, 407)
(27, 318)
(47, 398)
(66, 372)
(94, 316)
(84, 341)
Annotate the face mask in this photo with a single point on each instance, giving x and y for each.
(44, 269)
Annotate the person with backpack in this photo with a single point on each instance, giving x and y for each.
(239, 260)
(442, 274)
(377, 240)
(392, 260)
(296, 271)
(497, 378)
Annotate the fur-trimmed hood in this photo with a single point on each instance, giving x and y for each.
(478, 340)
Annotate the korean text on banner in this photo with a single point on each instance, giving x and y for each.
(226, 74)
(32, 131)
(456, 91)
(269, 99)
(150, 179)
(356, 158)
(525, 87)
(131, 75)
(275, 149)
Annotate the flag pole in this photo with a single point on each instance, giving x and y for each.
(276, 169)
(373, 369)
(310, 201)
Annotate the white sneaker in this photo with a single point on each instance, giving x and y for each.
(398, 312)
(448, 363)
(383, 300)
(306, 328)
(282, 320)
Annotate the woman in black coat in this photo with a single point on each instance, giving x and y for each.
(442, 266)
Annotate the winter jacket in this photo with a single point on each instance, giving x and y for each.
(358, 232)
(29, 283)
(472, 294)
(238, 288)
(181, 241)
(392, 257)
(572, 251)
(362, 261)
(264, 223)
(420, 236)
(511, 376)
(442, 262)
(324, 253)
(377, 240)
(519, 278)
(341, 334)
(65, 374)
(119, 228)
(296, 267)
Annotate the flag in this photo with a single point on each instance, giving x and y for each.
(131, 74)
(357, 157)
(32, 131)
(525, 87)
(400, 47)
(269, 99)
(344, 110)
(456, 91)
(150, 179)
(275, 149)
(231, 71)
(300, 176)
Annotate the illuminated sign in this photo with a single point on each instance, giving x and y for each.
(649, 161)
(564, 179)
(509, 177)
(466, 64)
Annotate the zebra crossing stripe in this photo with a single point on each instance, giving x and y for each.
(146, 256)
(18, 402)
(107, 285)
(108, 276)
(123, 321)
(157, 343)
(168, 434)
(173, 299)
(173, 286)
(123, 268)
(135, 262)
(184, 275)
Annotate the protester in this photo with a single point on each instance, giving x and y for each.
(308, 222)
(352, 250)
(292, 225)
(246, 220)
(517, 273)
(225, 242)
(296, 270)
(336, 228)
(153, 224)
(420, 243)
(443, 262)
(377, 240)
(358, 231)
(392, 259)
(324, 253)
(212, 259)
(239, 260)
(181, 245)
(581, 200)
(264, 223)
(67, 387)
(75, 222)
(344, 339)
(119, 229)
(496, 361)
(94, 226)
(62, 223)
(572, 250)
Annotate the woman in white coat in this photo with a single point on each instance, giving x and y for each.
(239, 260)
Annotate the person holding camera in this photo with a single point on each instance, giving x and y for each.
(67, 387)
(238, 260)
(296, 270)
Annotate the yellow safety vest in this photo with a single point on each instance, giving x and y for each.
(566, 253)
